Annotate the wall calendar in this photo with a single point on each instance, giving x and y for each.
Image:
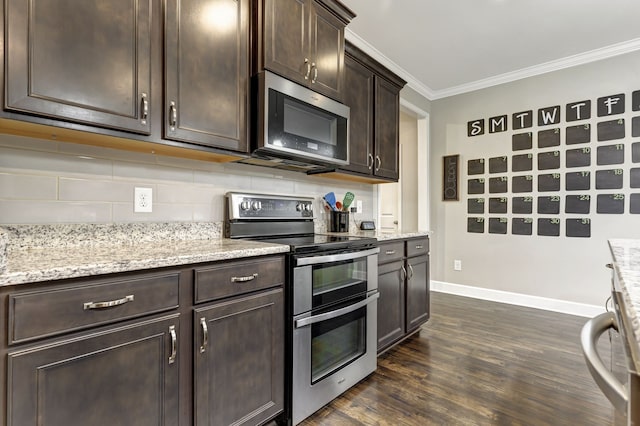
(557, 178)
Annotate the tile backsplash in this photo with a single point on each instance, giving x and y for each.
(57, 182)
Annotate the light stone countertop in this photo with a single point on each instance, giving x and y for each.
(52, 252)
(383, 236)
(626, 264)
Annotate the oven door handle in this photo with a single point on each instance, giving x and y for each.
(303, 322)
(314, 260)
(606, 381)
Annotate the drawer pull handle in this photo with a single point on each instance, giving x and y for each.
(419, 246)
(205, 335)
(109, 304)
(244, 279)
(174, 344)
(411, 272)
(390, 252)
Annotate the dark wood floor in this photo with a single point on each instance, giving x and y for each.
(480, 363)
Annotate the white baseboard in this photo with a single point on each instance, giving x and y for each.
(572, 308)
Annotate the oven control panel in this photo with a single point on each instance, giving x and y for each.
(263, 206)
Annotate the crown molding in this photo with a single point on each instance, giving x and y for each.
(568, 62)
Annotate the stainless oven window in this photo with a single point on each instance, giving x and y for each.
(337, 342)
(310, 123)
(330, 277)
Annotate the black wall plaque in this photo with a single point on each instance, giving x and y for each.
(611, 105)
(610, 203)
(450, 177)
(549, 205)
(579, 157)
(475, 127)
(475, 167)
(498, 124)
(475, 225)
(634, 204)
(578, 134)
(521, 226)
(475, 186)
(577, 181)
(547, 138)
(549, 115)
(578, 111)
(579, 228)
(522, 141)
(635, 126)
(498, 184)
(577, 204)
(549, 227)
(635, 152)
(549, 182)
(549, 160)
(498, 205)
(609, 179)
(522, 205)
(498, 164)
(611, 130)
(635, 101)
(498, 225)
(522, 162)
(475, 205)
(522, 120)
(634, 177)
(610, 154)
(522, 184)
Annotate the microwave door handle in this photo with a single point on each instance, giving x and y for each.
(314, 260)
(303, 322)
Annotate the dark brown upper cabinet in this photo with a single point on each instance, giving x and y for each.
(303, 40)
(207, 72)
(372, 93)
(87, 61)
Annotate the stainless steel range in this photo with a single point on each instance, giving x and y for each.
(331, 294)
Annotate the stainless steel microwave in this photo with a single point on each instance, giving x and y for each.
(298, 124)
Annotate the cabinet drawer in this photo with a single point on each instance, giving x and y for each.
(48, 312)
(233, 278)
(391, 251)
(417, 247)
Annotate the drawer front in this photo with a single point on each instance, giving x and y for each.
(391, 251)
(48, 312)
(234, 278)
(417, 247)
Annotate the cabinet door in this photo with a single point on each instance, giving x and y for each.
(387, 121)
(417, 292)
(358, 96)
(86, 61)
(286, 39)
(207, 71)
(391, 309)
(118, 377)
(239, 360)
(327, 52)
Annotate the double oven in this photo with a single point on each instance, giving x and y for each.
(331, 298)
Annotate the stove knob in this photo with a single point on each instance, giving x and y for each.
(245, 205)
(256, 205)
(300, 207)
(308, 207)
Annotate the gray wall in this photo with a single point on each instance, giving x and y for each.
(570, 269)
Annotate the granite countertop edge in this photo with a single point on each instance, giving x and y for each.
(384, 236)
(626, 259)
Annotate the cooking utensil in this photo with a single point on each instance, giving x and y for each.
(339, 205)
(330, 198)
(347, 200)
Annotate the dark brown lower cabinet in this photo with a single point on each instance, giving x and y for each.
(124, 376)
(403, 283)
(239, 360)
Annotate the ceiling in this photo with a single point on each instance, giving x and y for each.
(447, 47)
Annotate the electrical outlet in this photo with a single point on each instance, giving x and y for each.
(358, 206)
(457, 265)
(142, 200)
